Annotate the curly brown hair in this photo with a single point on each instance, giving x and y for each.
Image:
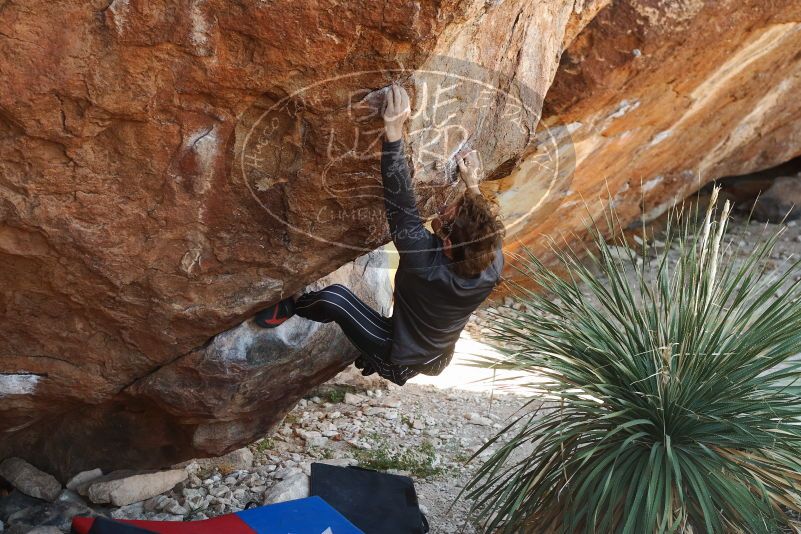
(475, 234)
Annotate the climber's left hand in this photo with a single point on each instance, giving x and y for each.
(396, 111)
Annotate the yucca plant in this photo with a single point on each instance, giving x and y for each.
(671, 400)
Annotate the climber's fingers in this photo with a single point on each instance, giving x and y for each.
(461, 163)
(468, 160)
(390, 108)
(391, 99)
(402, 100)
(396, 103)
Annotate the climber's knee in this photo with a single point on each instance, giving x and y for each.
(339, 289)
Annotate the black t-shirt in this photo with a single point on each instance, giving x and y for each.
(432, 303)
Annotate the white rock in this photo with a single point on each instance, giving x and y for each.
(134, 488)
(286, 472)
(318, 442)
(250, 479)
(353, 398)
(83, 478)
(131, 511)
(166, 502)
(155, 503)
(222, 492)
(175, 508)
(167, 517)
(195, 499)
(340, 462)
(291, 488)
(192, 467)
(307, 434)
(234, 460)
(477, 419)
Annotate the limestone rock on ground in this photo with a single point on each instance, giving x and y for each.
(124, 489)
(80, 482)
(30, 480)
(233, 461)
(293, 486)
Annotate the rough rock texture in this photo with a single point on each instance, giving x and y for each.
(781, 201)
(169, 167)
(239, 459)
(226, 393)
(80, 482)
(39, 516)
(122, 489)
(29, 480)
(662, 97)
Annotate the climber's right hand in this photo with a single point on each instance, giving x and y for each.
(470, 169)
(396, 110)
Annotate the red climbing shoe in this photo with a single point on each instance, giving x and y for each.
(275, 314)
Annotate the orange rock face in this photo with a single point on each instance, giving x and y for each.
(169, 167)
(662, 97)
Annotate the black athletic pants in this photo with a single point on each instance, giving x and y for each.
(367, 329)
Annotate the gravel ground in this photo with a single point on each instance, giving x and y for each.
(417, 430)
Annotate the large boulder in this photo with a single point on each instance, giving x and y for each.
(661, 98)
(222, 395)
(169, 167)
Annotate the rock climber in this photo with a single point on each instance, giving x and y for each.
(442, 277)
